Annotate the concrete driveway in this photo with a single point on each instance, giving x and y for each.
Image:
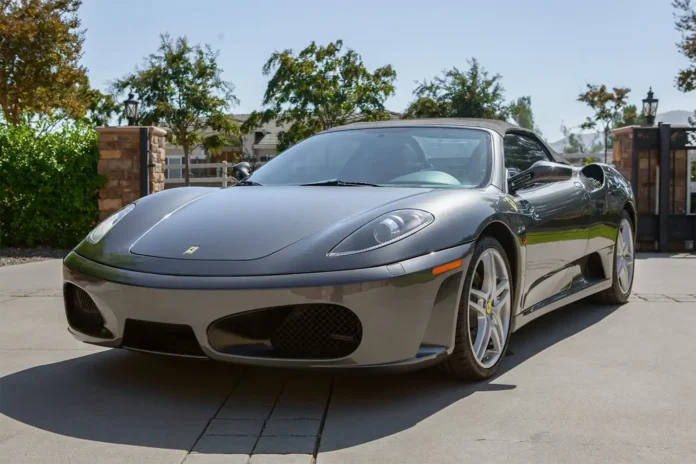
(586, 384)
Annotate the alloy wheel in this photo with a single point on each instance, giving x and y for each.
(489, 308)
(624, 256)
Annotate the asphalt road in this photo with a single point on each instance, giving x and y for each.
(586, 384)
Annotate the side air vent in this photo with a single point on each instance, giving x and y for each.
(82, 313)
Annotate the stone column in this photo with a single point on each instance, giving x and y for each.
(157, 164)
(680, 170)
(623, 150)
(644, 181)
(119, 162)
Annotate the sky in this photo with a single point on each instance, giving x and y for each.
(547, 49)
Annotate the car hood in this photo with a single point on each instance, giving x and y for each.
(247, 223)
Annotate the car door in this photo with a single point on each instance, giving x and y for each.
(557, 226)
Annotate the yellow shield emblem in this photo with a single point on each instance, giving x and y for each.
(512, 203)
(191, 250)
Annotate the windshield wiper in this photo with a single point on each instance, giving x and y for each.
(339, 183)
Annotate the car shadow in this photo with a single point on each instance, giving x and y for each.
(644, 255)
(119, 397)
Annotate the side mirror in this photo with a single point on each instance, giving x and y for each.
(241, 170)
(540, 172)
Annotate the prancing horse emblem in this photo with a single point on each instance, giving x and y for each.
(191, 250)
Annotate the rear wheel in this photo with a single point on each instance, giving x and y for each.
(485, 310)
(622, 274)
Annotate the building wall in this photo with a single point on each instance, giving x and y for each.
(248, 142)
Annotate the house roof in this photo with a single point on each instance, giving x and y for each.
(268, 141)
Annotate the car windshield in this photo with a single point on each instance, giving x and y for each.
(394, 156)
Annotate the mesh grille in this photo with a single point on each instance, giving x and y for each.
(82, 312)
(161, 337)
(318, 331)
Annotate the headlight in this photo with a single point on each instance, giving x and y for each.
(384, 230)
(105, 226)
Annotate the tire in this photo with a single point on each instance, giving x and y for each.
(620, 290)
(464, 363)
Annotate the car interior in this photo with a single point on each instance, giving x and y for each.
(407, 159)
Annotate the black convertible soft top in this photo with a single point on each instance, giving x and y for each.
(501, 127)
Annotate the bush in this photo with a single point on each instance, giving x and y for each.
(48, 185)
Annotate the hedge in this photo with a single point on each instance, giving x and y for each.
(48, 185)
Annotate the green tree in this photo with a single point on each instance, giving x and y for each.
(628, 116)
(40, 50)
(576, 144)
(463, 94)
(319, 88)
(181, 89)
(101, 108)
(685, 23)
(426, 107)
(521, 113)
(606, 105)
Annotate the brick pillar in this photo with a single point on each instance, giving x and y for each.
(156, 166)
(119, 161)
(623, 150)
(642, 171)
(680, 169)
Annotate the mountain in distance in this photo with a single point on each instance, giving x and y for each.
(676, 117)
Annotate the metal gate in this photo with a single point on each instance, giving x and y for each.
(663, 177)
(691, 189)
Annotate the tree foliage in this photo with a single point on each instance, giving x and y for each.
(605, 104)
(319, 88)
(182, 90)
(464, 94)
(48, 184)
(521, 113)
(607, 107)
(685, 23)
(41, 46)
(576, 144)
(628, 116)
(101, 108)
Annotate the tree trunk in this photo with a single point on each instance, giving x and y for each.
(606, 142)
(187, 164)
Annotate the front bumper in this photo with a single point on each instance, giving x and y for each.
(408, 315)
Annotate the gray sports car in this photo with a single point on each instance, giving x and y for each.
(392, 244)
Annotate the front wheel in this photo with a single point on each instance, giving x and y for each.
(485, 310)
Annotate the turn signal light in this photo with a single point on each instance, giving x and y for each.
(447, 267)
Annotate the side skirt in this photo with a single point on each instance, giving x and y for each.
(574, 293)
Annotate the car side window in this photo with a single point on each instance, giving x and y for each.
(522, 151)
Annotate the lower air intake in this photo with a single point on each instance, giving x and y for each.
(318, 332)
(82, 313)
(160, 337)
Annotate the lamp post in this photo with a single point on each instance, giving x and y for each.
(131, 109)
(650, 108)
